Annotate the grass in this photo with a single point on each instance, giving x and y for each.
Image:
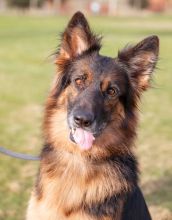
(26, 71)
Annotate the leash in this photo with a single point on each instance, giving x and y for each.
(18, 155)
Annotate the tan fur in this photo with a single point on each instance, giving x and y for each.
(65, 189)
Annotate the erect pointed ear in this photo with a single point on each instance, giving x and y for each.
(77, 38)
(141, 60)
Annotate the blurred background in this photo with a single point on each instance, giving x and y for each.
(29, 34)
(99, 7)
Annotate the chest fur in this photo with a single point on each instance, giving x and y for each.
(72, 186)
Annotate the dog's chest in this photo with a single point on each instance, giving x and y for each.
(78, 189)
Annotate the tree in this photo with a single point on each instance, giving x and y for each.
(25, 3)
(138, 3)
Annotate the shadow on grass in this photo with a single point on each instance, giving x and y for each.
(159, 192)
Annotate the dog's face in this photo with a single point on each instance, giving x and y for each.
(99, 94)
(98, 87)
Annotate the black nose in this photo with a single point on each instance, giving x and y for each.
(83, 119)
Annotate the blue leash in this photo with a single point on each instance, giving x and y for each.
(18, 155)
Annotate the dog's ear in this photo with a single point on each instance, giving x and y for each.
(77, 38)
(140, 60)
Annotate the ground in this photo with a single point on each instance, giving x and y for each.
(26, 70)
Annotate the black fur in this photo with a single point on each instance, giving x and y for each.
(135, 207)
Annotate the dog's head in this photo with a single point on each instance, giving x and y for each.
(97, 94)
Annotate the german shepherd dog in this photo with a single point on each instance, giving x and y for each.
(88, 170)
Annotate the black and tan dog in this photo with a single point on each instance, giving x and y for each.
(88, 170)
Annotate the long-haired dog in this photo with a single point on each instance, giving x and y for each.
(88, 170)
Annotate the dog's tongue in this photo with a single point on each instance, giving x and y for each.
(83, 138)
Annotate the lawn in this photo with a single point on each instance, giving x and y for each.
(26, 70)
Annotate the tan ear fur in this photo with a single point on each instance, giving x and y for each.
(76, 39)
(141, 61)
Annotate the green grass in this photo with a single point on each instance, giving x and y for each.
(26, 71)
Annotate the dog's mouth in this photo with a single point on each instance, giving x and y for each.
(84, 139)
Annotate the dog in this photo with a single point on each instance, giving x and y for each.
(88, 170)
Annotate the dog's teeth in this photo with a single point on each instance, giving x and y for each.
(73, 130)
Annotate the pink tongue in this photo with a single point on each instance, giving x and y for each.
(83, 138)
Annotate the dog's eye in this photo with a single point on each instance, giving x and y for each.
(112, 91)
(80, 80)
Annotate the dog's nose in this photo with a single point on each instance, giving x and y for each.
(83, 119)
